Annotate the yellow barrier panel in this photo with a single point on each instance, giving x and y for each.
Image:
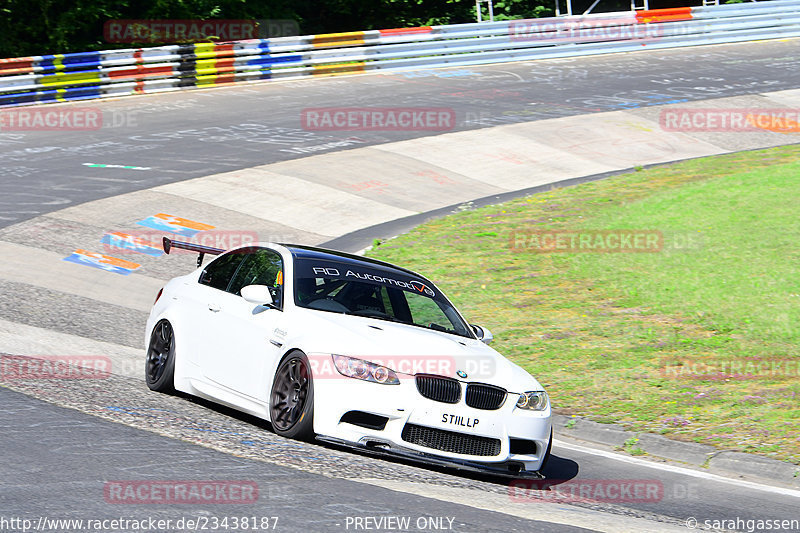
(338, 68)
(350, 38)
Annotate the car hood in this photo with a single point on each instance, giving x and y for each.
(406, 349)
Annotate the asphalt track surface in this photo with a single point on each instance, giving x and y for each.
(63, 458)
(57, 441)
(196, 133)
(57, 460)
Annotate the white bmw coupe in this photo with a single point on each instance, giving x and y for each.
(347, 350)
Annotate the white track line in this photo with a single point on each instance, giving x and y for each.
(679, 470)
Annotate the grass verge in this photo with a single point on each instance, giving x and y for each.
(696, 339)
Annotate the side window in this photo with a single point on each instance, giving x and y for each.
(387, 302)
(261, 267)
(219, 272)
(426, 312)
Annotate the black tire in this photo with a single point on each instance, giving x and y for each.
(159, 368)
(547, 453)
(291, 401)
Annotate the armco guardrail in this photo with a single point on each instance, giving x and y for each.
(88, 75)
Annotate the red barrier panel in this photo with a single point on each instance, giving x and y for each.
(664, 15)
(405, 31)
(16, 65)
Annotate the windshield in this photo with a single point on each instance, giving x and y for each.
(362, 290)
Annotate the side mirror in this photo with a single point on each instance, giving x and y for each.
(257, 294)
(484, 335)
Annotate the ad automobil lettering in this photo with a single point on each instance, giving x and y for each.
(341, 271)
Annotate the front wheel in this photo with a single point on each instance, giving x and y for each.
(159, 368)
(291, 405)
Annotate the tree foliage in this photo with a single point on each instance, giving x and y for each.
(38, 27)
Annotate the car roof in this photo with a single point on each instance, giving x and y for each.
(310, 252)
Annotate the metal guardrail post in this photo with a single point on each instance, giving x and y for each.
(478, 9)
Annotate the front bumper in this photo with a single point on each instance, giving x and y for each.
(504, 441)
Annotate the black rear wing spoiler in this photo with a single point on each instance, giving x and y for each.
(192, 247)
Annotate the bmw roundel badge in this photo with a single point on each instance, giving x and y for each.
(461, 374)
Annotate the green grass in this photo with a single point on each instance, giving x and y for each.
(668, 342)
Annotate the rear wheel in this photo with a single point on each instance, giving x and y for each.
(159, 371)
(291, 405)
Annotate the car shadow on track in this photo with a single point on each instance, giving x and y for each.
(558, 469)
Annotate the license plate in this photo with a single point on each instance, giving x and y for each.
(459, 421)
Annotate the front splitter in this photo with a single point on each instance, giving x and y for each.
(431, 460)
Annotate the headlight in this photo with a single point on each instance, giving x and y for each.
(533, 401)
(360, 369)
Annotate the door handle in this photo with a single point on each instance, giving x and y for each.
(214, 308)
